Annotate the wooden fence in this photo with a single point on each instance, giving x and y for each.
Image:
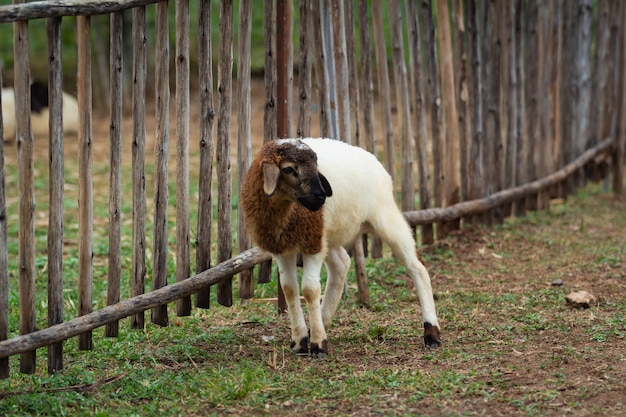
(484, 109)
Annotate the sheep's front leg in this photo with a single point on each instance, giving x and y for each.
(289, 283)
(311, 290)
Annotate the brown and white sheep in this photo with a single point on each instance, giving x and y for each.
(290, 207)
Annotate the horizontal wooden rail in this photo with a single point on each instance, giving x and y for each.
(468, 208)
(74, 327)
(58, 8)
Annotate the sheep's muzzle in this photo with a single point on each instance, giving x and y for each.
(316, 197)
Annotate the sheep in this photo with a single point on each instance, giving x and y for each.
(39, 111)
(290, 207)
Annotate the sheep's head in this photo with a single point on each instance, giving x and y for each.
(290, 171)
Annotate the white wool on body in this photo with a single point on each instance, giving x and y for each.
(351, 171)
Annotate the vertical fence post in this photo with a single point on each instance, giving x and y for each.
(403, 107)
(269, 40)
(461, 91)
(450, 157)
(358, 250)
(56, 184)
(340, 80)
(492, 133)
(158, 315)
(85, 192)
(4, 262)
(224, 174)
(509, 85)
(138, 160)
(384, 87)
(521, 135)
(599, 115)
(115, 167)
(284, 17)
(534, 54)
(207, 118)
(366, 81)
(618, 158)
(24, 138)
(244, 146)
(304, 71)
(436, 109)
(321, 69)
(264, 274)
(417, 92)
(183, 269)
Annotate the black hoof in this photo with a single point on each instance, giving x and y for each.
(301, 348)
(319, 352)
(432, 338)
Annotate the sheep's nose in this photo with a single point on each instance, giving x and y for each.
(321, 197)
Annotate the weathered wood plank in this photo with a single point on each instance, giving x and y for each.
(138, 278)
(341, 81)
(223, 271)
(183, 268)
(509, 85)
(320, 66)
(417, 92)
(365, 79)
(521, 135)
(618, 156)
(284, 30)
(115, 167)
(207, 146)
(24, 139)
(85, 170)
(544, 63)
(532, 99)
(224, 173)
(264, 274)
(244, 142)
(366, 83)
(4, 262)
(269, 42)
(491, 122)
(305, 34)
(58, 8)
(450, 157)
(403, 107)
(56, 185)
(384, 88)
(436, 109)
(475, 164)
(158, 315)
(358, 251)
(462, 93)
(353, 81)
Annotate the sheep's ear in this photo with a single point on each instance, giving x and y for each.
(271, 172)
(326, 185)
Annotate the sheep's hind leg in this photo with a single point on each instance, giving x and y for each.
(311, 290)
(289, 283)
(337, 263)
(398, 235)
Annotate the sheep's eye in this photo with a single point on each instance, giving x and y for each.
(288, 170)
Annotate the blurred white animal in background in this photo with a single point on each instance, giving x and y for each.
(39, 111)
